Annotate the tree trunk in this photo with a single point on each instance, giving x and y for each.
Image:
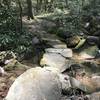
(20, 14)
(29, 7)
(66, 1)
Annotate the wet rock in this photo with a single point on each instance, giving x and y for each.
(36, 84)
(64, 52)
(56, 61)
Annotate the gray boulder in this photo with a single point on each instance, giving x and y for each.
(64, 52)
(36, 84)
(56, 61)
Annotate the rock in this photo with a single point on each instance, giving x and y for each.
(78, 85)
(96, 80)
(14, 64)
(46, 24)
(36, 84)
(2, 72)
(93, 40)
(35, 40)
(92, 83)
(90, 67)
(56, 61)
(80, 44)
(64, 52)
(65, 80)
(10, 65)
(89, 52)
(6, 55)
(72, 41)
(57, 44)
(53, 41)
(95, 96)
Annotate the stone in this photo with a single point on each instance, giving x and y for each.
(14, 64)
(36, 84)
(90, 67)
(95, 96)
(53, 41)
(92, 83)
(57, 44)
(56, 61)
(2, 72)
(64, 52)
(78, 85)
(65, 80)
(89, 52)
(6, 55)
(96, 80)
(73, 41)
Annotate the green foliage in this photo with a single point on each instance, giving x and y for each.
(11, 38)
(78, 9)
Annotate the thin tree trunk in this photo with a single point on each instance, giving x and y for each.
(20, 15)
(66, 1)
(37, 8)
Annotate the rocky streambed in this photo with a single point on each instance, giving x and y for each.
(62, 73)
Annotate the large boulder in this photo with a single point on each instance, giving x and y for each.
(36, 84)
(67, 53)
(56, 61)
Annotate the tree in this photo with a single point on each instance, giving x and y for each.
(29, 10)
(20, 15)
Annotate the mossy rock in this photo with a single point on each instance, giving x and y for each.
(89, 52)
(14, 64)
(73, 41)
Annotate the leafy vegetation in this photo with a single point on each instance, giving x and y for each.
(70, 16)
